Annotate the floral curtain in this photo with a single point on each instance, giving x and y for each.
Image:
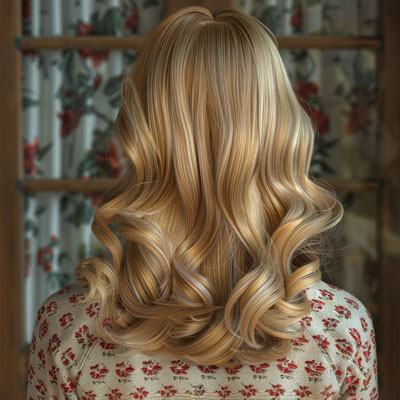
(71, 98)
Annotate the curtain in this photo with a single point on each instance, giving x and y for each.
(71, 98)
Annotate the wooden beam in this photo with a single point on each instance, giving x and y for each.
(97, 42)
(13, 371)
(100, 185)
(66, 185)
(134, 42)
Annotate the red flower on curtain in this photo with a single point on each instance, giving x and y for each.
(131, 21)
(306, 90)
(358, 119)
(70, 120)
(111, 158)
(96, 56)
(296, 17)
(322, 120)
(30, 151)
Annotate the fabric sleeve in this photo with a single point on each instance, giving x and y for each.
(50, 374)
(361, 378)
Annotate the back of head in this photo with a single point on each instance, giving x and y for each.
(220, 229)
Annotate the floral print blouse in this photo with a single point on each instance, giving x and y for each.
(334, 359)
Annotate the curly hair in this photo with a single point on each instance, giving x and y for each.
(219, 226)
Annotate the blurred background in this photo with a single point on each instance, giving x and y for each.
(62, 62)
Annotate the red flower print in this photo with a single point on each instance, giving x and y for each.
(300, 342)
(372, 333)
(342, 312)
(40, 313)
(356, 336)
(248, 391)
(114, 394)
(140, 393)
(327, 294)
(83, 336)
(98, 371)
(89, 395)
(30, 152)
(286, 366)
(168, 391)
(306, 321)
(111, 158)
(53, 372)
(326, 393)
(353, 303)
(224, 392)
(67, 356)
(314, 369)
(303, 392)
(124, 369)
(33, 344)
(344, 347)
(69, 386)
(66, 320)
(43, 329)
(75, 298)
(42, 360)
(41, 387)
(31, 372)
(367, 351)
(54, 344)
(322, 341)
(338, 372)
(351, 382)
(66, 289)
(210, 369)
(70, 120)
(364, 324)
(233, 370)
(179, 367)
(151, 367)
(334, 287)
(316, 305)
(52, 308)
(366, 382)
(330, 324)
(106, 345)
(358, 361)
(93, 309)
(259, 369)
(276, 390)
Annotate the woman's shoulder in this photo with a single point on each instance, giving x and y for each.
(342, 327)
(65, 322)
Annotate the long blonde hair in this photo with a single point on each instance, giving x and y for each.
(219, 228)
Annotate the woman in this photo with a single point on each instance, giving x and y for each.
(211, 286)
